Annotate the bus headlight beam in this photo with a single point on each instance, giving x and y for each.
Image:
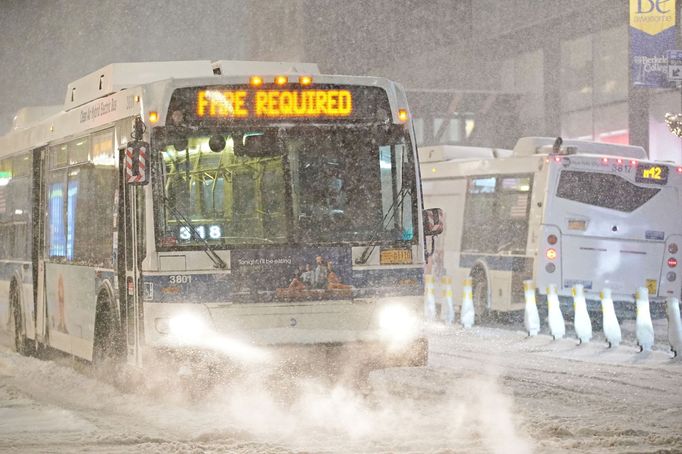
(397, 324)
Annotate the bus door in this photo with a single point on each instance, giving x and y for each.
(38, 245)
(131, 252)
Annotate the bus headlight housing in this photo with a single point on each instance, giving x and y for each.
(397, 324)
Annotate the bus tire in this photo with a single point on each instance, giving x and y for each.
(22, 344)
(480, 294)
(107, 343)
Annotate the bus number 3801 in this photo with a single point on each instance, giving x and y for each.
(180, 279)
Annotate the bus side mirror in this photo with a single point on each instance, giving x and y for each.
(434, 221)
(137, 163)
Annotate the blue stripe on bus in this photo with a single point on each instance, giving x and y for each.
(216, 287)
(389, 278)
(494, 262)
(187, 288)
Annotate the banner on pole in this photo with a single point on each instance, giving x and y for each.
(652, 34)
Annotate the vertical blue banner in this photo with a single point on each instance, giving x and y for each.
(652, 34)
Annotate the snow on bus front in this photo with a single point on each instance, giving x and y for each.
(315, 214)
(611, 216)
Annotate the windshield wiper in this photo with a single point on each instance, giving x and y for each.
(390, 214)
(215, 258)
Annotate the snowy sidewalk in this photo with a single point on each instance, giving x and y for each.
(568, 397)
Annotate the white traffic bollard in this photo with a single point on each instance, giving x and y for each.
(531, 319)
(581, 318)
(557, 325)
(448, 305)
(468, 314)
(609, 319)
(429, 298)
(643, 325)
(674, 325)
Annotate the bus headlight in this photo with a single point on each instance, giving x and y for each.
(186, 327)
(397, 324)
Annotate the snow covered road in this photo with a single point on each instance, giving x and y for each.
(485, 390)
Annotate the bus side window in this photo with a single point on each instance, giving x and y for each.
(56, 214)
(479, 223)
(496, 214)
(94, 217)
(512, 211)
(80, 187)
(15, 207)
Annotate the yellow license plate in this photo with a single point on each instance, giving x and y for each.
(652, 285)
(395, 256)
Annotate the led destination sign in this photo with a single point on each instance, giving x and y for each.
(652, 173)
(274, 103)
(238, 103)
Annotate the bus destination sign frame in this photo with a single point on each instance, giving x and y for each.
(652, 174)
(242, 103)
(309, 103)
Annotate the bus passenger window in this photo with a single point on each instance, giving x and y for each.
(603, 190)
(79, 200)
(482, 185)
(496, 214)
(56, 222)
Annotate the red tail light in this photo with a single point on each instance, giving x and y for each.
(672, 262)
(552, 239)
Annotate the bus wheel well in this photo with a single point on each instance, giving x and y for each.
(22, 344)
(12, 291)
(477, 272)
(107, 345)
(480, 290)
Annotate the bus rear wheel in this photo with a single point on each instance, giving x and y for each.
(480, 295)
(22, 344)
(107, 344)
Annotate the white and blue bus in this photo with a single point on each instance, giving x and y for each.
(213, 205)
(556, 212)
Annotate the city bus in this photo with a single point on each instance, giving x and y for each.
(229, 206)
(554, 212)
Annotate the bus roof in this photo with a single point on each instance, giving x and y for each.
(527, 146)
(26, 116)
(124, 84)
(119, 76)
(438, 153)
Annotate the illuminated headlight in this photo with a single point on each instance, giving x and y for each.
(186, 327)
(397, 324)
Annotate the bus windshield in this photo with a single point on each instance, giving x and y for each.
(277, 185)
